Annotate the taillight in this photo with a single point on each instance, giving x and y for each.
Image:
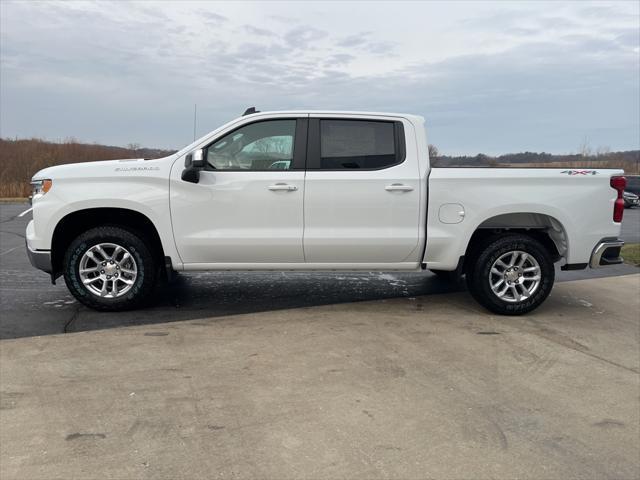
(619, 183)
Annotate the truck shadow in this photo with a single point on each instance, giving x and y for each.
(204, 295)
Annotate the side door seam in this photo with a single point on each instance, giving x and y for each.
(304, 186)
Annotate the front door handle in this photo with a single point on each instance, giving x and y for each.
(282, 187)
(398, 187)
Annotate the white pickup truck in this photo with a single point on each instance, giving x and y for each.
(300, 190)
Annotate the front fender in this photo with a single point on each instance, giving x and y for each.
(146, 195)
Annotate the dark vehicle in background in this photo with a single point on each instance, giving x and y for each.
(630, 200)
(632, 191)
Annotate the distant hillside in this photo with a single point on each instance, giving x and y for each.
(629, 161)
(20, 159)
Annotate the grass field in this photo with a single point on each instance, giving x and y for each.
(631, 254)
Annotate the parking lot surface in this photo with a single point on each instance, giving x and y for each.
(32, 306)
(631, 225)
(424, 387)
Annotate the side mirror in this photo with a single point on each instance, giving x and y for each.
(195, 159)
(198, 160)
(193, 163)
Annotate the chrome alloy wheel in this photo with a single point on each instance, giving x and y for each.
(108, 270)
(515, 276)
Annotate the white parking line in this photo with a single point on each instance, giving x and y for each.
(25, 212)
(11, 250)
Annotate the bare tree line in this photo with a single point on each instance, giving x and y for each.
(20, 159)
(602, 157)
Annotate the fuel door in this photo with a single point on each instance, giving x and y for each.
(451, 213)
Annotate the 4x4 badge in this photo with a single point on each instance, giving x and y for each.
(580, 172)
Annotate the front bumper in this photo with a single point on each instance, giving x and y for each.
(41, 259)
(606, 252)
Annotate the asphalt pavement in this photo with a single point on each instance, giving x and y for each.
(405, 388)
(31, 306)
(631, 225)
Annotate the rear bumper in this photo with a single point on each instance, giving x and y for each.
(41, 259)
(606, 252)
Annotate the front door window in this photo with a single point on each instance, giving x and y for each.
(259, 146)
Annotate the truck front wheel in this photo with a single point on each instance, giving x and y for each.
(110, 268)
(513, 274)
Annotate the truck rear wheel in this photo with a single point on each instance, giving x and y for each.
(513, 274)
(110, 268)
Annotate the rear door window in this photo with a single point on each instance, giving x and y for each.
(358, 144)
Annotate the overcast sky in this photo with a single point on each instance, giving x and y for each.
(491, 77)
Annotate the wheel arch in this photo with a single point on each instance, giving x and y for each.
(548, 230)
(76, 222)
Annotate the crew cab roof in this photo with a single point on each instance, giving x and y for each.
(409, 116)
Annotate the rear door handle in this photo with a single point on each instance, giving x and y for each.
(282, 187)
(398, 187)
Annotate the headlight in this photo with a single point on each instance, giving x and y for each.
(40, 187)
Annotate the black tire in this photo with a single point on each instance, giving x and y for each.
(144, 284)
(478, 273)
